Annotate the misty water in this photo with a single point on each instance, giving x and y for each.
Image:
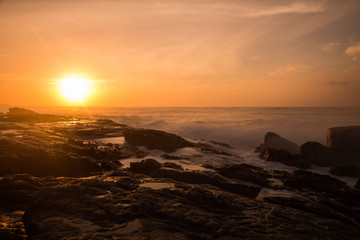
(240, 127)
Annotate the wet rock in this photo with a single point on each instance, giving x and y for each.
(275, 141)
(347, 171)
(204, 177)
(284, 157)
(110, 165)
(302, 180)
(346, 141)
(154, 139)
(321, 155)
(11, 226)
(17, 189)
(246, 172)
(145, 166)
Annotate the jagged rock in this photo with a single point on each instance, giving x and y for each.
(154, 139)
(275, 141)
(347, 170)
(346, 141)
(145, 166)
(284, 157)
(110, 165)
(321, 155)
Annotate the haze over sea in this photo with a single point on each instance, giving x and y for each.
(240, 126)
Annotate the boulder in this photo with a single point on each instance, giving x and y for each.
(273, 140)
(284, 157)
(321, 155)
(346, 170)
(346, 141)
(154, 139)
(145, 166)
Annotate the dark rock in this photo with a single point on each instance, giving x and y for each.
(201, 177)
(172, 157)
(347, 170)
(221, 144)
(17, 189)
(173, 165)
(284, 157)
(357, 185)
(321, 155)
(246, 172)
(275, 141)
(154, 139)
(303, 180)
(20, 111)
(109, 165)
(346, 141)
(145, 166)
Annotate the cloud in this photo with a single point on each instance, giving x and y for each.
(338, 83)
(329, 47)
(287, 71)
(354, 51)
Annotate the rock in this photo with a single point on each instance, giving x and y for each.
(321, 155)
(246, 172)
(303, 180)
(357, 185)
(207, 177)
(347, 171)
(273, 140)
(17, 189)
(346, 141)
(154, 139)
(284, 157)
(20, 111)
(173, 165)
(110, 165)
(145, 166)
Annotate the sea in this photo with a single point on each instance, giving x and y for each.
(237, 126)
(243, 128)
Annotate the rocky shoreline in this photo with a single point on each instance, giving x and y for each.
(61, 180)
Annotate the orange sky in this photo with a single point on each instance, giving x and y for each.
(182, 53)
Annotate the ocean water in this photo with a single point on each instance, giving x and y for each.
(242, 128)
(239, 127)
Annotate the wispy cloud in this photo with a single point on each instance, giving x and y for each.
(354, 51)
(329, 47)
(287, 71)
(295, 7)
(338, 83)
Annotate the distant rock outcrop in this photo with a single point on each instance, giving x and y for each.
(345, 141)
(20, 111)
(154, 139)
(275, 141)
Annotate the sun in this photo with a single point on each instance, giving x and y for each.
(75, 89)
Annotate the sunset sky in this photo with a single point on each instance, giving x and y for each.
(182, 53)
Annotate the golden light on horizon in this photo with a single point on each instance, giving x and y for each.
(75, 89)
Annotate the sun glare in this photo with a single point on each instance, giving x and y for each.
(75, 89)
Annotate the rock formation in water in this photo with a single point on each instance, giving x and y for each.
(275, 141)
